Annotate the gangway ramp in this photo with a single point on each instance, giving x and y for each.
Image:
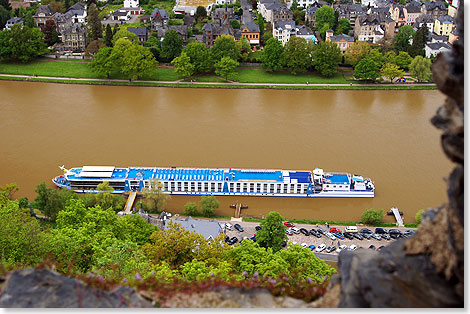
(130, 202)
(397, 217)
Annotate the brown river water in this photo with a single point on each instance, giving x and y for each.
(385, 135)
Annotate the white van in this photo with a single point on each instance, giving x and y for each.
(351, 229)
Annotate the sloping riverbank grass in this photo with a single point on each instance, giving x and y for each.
(261, 76)
(338, 223)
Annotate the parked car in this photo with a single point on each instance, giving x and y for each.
(352, 229)
(333, 230)
(227, 238)
(228, 226)
(376, 236)
(380, 230)
(385, 236)
(320, 248)
(257, 228)
(409, 233)
(311, 247)
(313, 232)
(304, 244)
(304, 231)
(340, 248)
(289, 231)
(366, 230)
(331, 236)
(295, 230)
(233, 240)
(339, 235)
(330, 249)
(358, 236)
(352, 247)
(238, 227)
(289, 224)
(321, 230)
(395, 233)
(348, 235)
(367, 235)
(372, 247)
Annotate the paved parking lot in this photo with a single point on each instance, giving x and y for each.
(249, 231)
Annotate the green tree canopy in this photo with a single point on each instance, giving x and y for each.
(403, 60)
(209, 203)
(356, 52)
(376, 56)
(272, 55)
(325, 15)
(366, 69)
(343, 27)
(235, 24)
(199, 56)
(103, 63)
(190, 209)
(26, 43)
(272, 233)
(156, 198)
(51, 201)
(225, 46)
(421, 68)
(419, 40)
(104, 197)
(108, 37)
(172, 45)
(391, 71)
(372, 216)
(4, 16)
(122, 33)
(403, 37)
(298, 54)
(95, 29)
(225, 67)
(201, 13)
(326, 57)
(419, 215)
(135, 60)
(183, 65)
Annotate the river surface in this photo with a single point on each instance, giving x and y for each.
(385, 135)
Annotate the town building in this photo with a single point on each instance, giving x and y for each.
(453, 36)
(372, 28)
(425, 19)
(283, 30)
(343, 41)
(452, 9)
(274, 10)
(310, 14)
(434, 8)
(350, 12)
(141, 32)
(306, 33)
(78, 12)
(434, 38)
(251, 32)
(13, 21)
(159, 18)
(221, 14)
(73, 39)
(121, 15)
(43, 14)
(433, 49)
(210, 32)
(443, 25)
(209, 229)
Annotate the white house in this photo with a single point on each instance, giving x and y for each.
(433, 49)
(283, 30)
(131, 3)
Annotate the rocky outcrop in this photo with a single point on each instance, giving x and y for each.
(43, 288)
(426, 270)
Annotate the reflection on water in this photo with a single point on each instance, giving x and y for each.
(385, 135)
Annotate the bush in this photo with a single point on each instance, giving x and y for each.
(208, 205)
(418, 216)
(372, 216)
(190, 209)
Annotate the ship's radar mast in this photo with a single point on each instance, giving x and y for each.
(65, 170)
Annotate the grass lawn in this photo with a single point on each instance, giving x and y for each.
(259, 76)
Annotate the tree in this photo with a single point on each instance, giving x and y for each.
(183, 65)
(5, 48)
(199, 56)
(172, 45)
(29, 20)
(235, 24)
(51, 36)
(94, 47)
(403, 60)
(272, 233)
(391, 71)
(155, 196)
(390, 57)
(201, 13)
(190, 209)
(421, 68)
(272, 55)
(154, 44)
(57, 6)
(343, 27)
(9, 190)
(26, 43)
(108, 37)
(135, 60)
(50, 201)
(372, 216)
(403, 37)
(122, 33)
(356, 52)
(4, 16)
(261, 24)
(366, 69)
(325, 15)
(6, 5)
(104, 197)
(225, 67)
(225, 46)
(326, 57)
(209, 203)
(419, 41)
(103, 63)
(376, 56)
(297, 54)
(419, 215)
(94, 23)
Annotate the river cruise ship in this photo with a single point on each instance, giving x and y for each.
(218, 181)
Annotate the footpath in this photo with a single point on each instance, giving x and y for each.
(208, 84)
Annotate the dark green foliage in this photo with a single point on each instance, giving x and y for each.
(23, 202)
(272, 233)
(235, 24)
(403, 37)
(4, 16)
(419, 41)
(343, 27)
(172, 45)
(366, 69)
(5, 4)
(418, 216)
(225, 46)
(297, 53)
(372, 216)
(108, 37)
(201, 14)
(200, 56)
(51, 201)
(25, 43)
(94, 24)
(325, 15)
(209, 204)
(272, 55)
(326, 57)
(190, 209)
(403, 60)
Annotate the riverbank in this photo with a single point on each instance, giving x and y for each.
(232, 85)
(52, 71)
